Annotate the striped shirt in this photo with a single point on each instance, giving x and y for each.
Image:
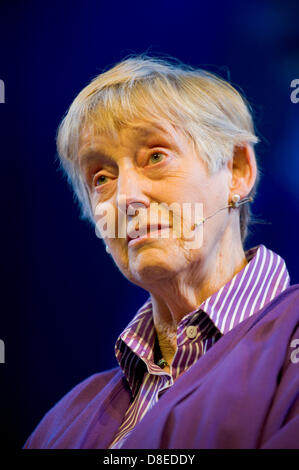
(259, 282)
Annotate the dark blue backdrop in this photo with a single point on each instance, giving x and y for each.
(63, 301)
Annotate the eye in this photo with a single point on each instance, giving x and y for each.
(156, 157)
(99, 180)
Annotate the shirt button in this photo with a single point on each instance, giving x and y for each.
(191, 331)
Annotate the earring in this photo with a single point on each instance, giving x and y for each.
(235, 200)
(107, 250)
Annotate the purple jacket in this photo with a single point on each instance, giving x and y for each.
(243, 393)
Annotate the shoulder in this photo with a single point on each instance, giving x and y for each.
(89, 387)
(274, 325)
(290, 293)
(284, 307)
(74, 403)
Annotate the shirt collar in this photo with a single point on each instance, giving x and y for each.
(263, 278)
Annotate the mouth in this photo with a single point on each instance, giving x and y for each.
(151, 232)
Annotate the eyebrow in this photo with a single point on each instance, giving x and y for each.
(92, 155)
(157, 131)
(149, 135)
(153, 132)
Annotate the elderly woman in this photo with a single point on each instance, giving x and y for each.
(206, 361)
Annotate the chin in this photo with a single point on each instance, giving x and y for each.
(147, 264)
(151, 274)
(152, 268)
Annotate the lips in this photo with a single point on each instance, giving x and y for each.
(131, 235)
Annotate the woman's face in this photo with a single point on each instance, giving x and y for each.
(144, 166)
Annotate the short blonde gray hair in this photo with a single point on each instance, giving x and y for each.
(208, 109)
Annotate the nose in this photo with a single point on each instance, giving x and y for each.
(131, 190)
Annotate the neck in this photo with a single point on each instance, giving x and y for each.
(174, 298)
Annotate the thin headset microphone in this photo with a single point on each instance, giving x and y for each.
(234, 204)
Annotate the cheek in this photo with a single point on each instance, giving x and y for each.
(220, 190)
(191, 191)
(186, 184)
(119, 252)
(211, 190)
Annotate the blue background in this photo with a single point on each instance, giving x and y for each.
(63, 302)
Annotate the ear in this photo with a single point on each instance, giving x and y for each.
(243, 170)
